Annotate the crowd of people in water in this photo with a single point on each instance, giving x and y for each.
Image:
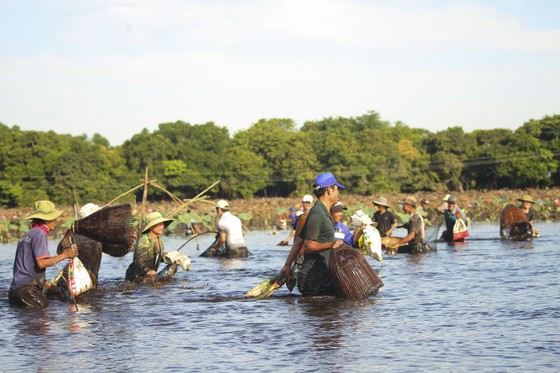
(316, 231)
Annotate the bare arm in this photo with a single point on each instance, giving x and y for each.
(298, 243)
(390, 230)
(356, 235)
(48, 261)
(221, 239)
(310, 246)
(287, 239)
(409, 237)
(222, 235)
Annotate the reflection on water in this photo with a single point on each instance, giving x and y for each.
(483, 305)
(32, 323)
(232, 263)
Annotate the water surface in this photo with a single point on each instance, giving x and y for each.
(486, 305)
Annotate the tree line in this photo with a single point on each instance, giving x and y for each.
(275, 158)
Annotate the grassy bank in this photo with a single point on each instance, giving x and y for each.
(266, 213)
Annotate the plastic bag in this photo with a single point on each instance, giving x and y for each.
(79, 280)
(176, 257)
(360, 218)
(372, 243)
(460, 230)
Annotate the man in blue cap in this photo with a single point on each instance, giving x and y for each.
(317, 239)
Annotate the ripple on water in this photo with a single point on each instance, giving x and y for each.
(488, 305)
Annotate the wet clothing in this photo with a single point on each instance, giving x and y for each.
(29, 295)
(384, 221)
(235, 243)
(223, 251)
(417, 244)
(28, 278)
(236, 252)
(146, 257)
(314, 277)
(344, 232)
(91, 252)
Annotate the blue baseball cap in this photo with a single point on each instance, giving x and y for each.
(325, 180)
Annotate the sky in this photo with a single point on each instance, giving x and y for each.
(116, 67)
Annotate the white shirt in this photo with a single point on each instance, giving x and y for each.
(234, 231)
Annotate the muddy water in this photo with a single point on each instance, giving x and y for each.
(486, 305)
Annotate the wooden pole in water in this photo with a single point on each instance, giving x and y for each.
(144, 198)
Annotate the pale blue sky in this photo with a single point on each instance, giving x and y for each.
(114, 67)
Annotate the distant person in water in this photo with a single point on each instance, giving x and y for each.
(441, 208)
(293, 216)
(451, 215)
(33, 257)
(386, 221)
(230, 233)
(426, 211)
(414, 242)
(307, 203)
(527, 208)
(341, 231)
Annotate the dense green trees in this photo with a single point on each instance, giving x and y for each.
(274, 158)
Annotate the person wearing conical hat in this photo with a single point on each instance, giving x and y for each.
(527, 208)
(33, 257)
(149, 252)
(386, 221)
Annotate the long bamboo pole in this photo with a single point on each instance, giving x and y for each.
(182, 203)
(124, 194)
(189, 201)
(173, 196)
(144, 198)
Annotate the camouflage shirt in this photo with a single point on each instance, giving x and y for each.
(147, 256)
(416, 224)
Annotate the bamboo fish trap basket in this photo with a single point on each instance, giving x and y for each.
(113, 224)
(514, 224)
(352, 275)
(512, 214)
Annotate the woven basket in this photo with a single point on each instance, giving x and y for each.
(112, 224)
(512, 214)
(352, 275)
(514, 224)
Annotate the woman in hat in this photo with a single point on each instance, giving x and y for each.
(32, 257)
(386, 221)
(149, 251)
(527, 208)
